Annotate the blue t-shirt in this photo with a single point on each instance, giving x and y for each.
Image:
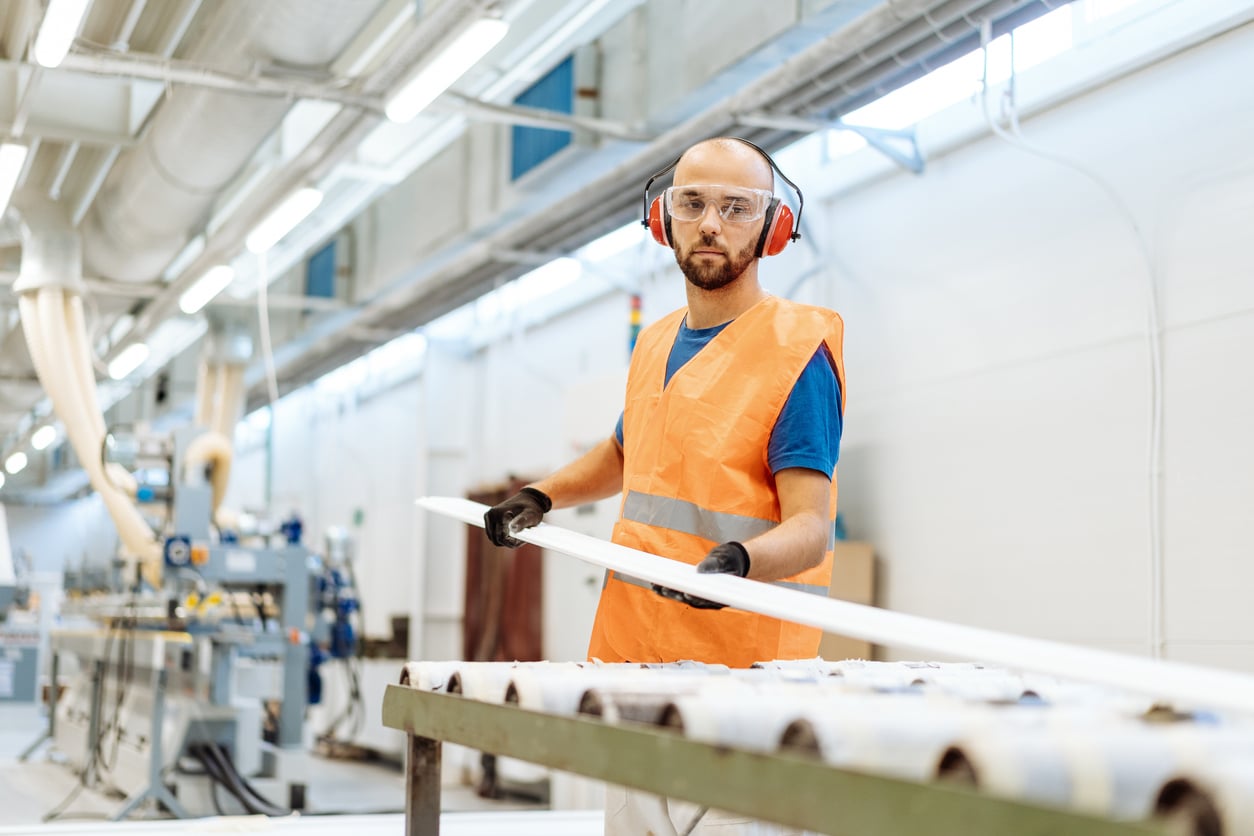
(807, 431)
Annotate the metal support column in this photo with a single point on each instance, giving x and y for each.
(50, 731)
(295, 607)
(422, 786)
(156, 789)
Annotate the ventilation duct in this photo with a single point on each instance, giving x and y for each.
(162, 190)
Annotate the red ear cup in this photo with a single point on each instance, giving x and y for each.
(659, 222)
(776, 229)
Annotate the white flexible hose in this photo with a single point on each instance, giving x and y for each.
(48, 319)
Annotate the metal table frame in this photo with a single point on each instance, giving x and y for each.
(797, 791)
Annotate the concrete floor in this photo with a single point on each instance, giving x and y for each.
(30, 790)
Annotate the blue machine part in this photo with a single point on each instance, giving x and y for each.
(314, 678)
(292, 527)
(177, 550)
(343, 640)
(338, 602)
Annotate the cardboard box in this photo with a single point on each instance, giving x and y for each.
(853, 579)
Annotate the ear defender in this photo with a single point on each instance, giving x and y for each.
(777, 229)
(778, 224)
(660, 222)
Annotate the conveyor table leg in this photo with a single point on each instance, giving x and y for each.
(422, 787)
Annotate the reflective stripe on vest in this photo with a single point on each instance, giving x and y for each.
(690, 518)
(808, 588)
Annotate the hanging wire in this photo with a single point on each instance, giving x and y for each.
(1153, 322)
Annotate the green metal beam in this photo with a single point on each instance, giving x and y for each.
(797, 791)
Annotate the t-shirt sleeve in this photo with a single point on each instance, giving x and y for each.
(618, 430)
(807, 432)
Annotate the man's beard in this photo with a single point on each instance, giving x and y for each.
(714, 273)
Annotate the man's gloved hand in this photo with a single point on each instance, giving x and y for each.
(522, 510)
(731, 558)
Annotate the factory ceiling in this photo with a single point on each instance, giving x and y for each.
(173, 128)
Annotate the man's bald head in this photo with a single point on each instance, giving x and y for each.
(725, 160)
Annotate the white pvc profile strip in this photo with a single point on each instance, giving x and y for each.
(1181, 684)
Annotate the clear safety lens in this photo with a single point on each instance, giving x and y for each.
(733, 203)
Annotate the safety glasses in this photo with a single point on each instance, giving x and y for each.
(734, 204)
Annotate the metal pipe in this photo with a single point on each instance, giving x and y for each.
(123, 39)
(63, 169)
(175, 36)
(519, 115)
(171, 71)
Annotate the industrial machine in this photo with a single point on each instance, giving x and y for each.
(19, 640)
(201, 680)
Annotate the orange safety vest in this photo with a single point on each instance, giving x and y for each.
(695, 474)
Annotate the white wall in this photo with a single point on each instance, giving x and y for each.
(999, 400)
(63, 537)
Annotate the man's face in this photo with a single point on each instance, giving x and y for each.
(713, 252)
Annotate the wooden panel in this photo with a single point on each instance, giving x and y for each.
(503, 604)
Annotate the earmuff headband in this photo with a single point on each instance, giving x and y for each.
(801, 201)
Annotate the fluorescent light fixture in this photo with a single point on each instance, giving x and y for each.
(15, 462)
(1, 480)
(213, 282)
(462, 53)
(294, 209)
(43, 437)
(12, 159)
(56, 33)
(131, 358)
(119, 329)
(186, 256)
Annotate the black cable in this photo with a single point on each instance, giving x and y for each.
(95, 754)
(237, 781)
(259, 601)
(59, 811)
(109, 762)
(218, 778)
(354, 711)
(126, 627)
(92, 755)
(213, 797)
(249, 787)
(356, 704)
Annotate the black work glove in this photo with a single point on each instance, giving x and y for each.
(522, 510)
(731, 558)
